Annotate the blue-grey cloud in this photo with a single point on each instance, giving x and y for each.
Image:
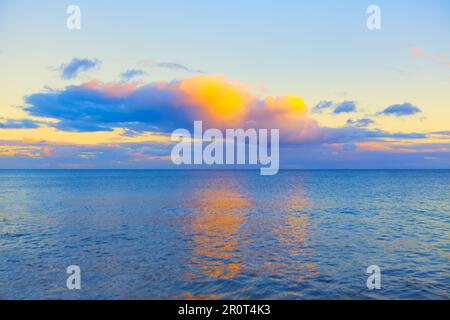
(85, 109)
(153, 155)
(354, 134)
(360, 123)
(444, 133)
(131, 73)
(345, 107)
(74, 67)
(322, 105)
(18, 124)
(404, 109)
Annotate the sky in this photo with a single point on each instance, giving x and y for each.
(109, 94)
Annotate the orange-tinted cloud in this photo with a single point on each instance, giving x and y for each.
(23, 151)
(111, 88)
(166, 106)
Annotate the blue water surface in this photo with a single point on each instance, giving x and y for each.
(228, 234)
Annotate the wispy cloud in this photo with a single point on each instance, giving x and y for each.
(131, 73)
(18, 149)
(441, 58)
(18, 124)
(176, 66)
(443, 133)
(26, 154)
(358, 154)
(76, 66)
(365, 122)
(419, 53)
(336, 107)
(169, 65)
(322, 105)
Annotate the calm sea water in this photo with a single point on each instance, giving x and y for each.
(224, 234)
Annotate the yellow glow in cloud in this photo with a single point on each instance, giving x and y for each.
(288, 103)
(218, 99)
(218, 102)
(224, 104)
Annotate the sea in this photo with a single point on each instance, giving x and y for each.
(226, 234)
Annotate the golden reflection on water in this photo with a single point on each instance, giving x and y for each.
(216, 227)
(227, 240)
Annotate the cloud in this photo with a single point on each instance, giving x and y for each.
(175, 66)
(131, 73)
(345, 107)
(18, 124)
(322, 105)
(20, 149)
(341, 107)
(395, 147)
(405, 109)
(360, 123)
(165, 106)
(43, 154)
(74, 67)
(443, 58)
(162, 107)
(418, 53)
(354, 134)
(141, 155)
(444, 133)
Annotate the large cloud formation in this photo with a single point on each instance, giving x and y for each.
(166, 106)
(162, 107)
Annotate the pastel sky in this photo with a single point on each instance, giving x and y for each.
(109, 95)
